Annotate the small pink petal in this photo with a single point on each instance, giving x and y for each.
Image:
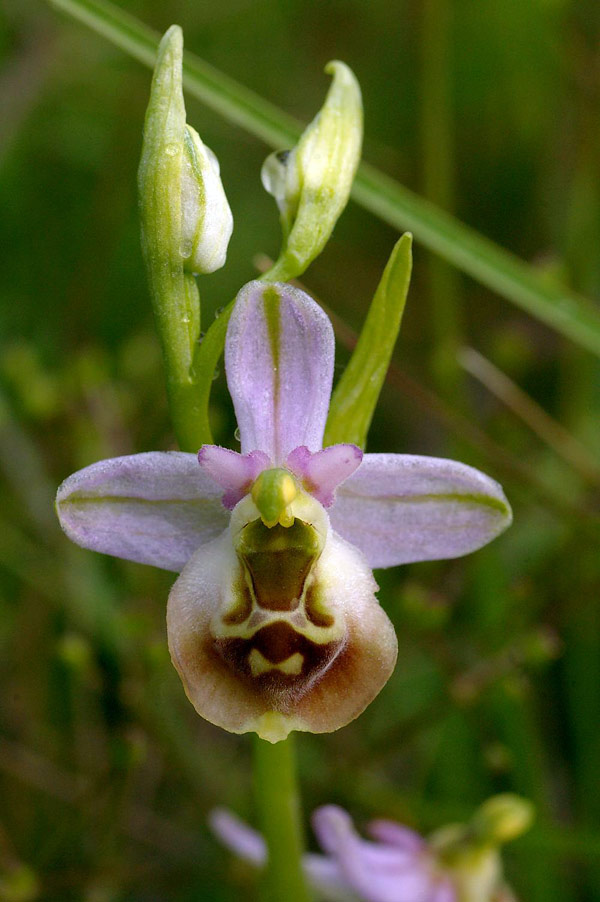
(232, 471)
(445, 892)
(377, 872)
(323, 471)
(396, 835)
(323, 873)
(238, 836)
(332, 826)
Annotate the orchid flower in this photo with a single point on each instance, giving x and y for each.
(273, 623)
(458, 863)
(397, 867)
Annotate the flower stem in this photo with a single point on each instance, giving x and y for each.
(278, 805)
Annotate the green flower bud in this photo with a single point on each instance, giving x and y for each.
(186, 225)
(311, 183)
(469, 853)
(475, 869)
(502, 818)
(185, 215)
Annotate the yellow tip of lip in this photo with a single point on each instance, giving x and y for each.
(273, 726)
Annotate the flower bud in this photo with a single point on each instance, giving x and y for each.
(470, 852)
(186, 225)
(185, 215)
(311, 183)
(502, 818)
(206, 220)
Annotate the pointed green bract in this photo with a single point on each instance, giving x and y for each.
(312, 182)
(174, 292)
(355, 396)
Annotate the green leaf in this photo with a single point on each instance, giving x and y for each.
(355, 397)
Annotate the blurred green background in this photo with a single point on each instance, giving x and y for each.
(490, 109)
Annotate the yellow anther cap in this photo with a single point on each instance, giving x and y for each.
(273, 492)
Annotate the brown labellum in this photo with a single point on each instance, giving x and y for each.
(278, 629)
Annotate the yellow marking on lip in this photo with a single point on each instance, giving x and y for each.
(292, 666)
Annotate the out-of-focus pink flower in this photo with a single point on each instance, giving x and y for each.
(455, 864)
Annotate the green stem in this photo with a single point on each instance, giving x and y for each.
(278, 804)
(205, 362)
(565, 311)
(178, 333)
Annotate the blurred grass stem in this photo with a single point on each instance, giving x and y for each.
(437, 148)
(545, 427)
(580, 397)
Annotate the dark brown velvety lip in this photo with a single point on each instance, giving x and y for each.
(277, 642)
